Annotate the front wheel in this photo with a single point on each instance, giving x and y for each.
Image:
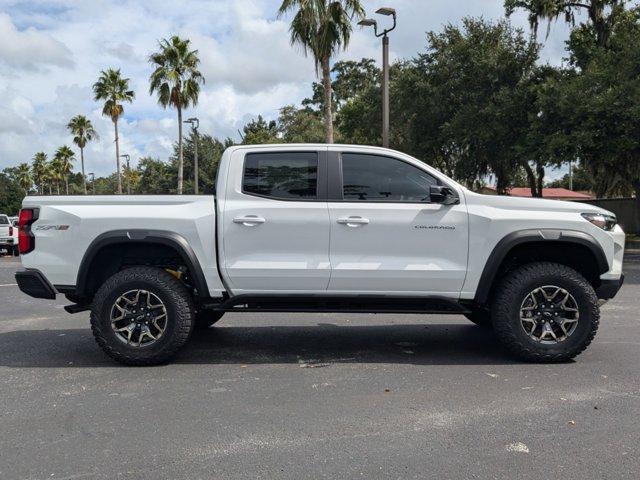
(545, 312)
(142, 316)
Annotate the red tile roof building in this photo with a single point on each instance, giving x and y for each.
(550, 193)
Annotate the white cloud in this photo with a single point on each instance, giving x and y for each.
(51, 52)
(30, 48)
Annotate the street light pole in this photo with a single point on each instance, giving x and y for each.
(127, 157)
(195, 124)
(385, 91)
(368, 22)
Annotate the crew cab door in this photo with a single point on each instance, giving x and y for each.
(386, 235)
(275, 222)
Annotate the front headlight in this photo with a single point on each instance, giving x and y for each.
(602, 220)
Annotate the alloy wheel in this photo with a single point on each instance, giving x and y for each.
(139, 318)
(549, 314)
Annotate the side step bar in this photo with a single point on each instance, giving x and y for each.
(336, 304)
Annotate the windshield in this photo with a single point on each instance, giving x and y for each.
(4, 220)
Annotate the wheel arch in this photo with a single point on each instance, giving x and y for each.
(545, 243)
(129, 237)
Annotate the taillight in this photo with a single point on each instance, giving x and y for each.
(11, 231)
(26, 240)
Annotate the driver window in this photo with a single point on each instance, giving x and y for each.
(374, 178)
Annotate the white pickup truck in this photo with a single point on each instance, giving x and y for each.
(317, 228)
(8, 235)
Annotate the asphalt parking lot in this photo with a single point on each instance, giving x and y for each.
(316, 396)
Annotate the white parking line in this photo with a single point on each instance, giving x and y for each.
(9, 285)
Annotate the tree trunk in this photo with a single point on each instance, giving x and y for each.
(540, 173)
(530, 178)
(115, 125)
(328, 99)
(84, 178)
(180, 152)
(66, 184)
(636, 189)
(58, 187)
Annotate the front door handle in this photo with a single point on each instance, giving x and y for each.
(249, 220)
(353, 221)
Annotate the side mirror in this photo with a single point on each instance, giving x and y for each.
(443, 195)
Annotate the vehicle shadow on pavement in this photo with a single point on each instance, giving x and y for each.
(312, 346)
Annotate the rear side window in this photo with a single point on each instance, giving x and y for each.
(4, 220)
(374, 178)
(286, 175)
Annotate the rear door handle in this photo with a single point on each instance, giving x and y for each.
(353, 221)
(249, 220)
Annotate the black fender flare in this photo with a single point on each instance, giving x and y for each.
(161, 237)
(521, 237)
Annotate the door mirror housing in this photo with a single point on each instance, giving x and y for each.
(443, 195)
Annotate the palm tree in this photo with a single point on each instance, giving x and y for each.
(82, 130)
(177, 80)
(603, 14)
(64, 158)
(54, 167)
(114, 90)
(39, 165)
(24, 177)
(322, 27)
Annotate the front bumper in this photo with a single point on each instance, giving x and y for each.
(34, 284)
(609, 288)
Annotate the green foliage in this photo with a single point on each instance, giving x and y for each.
(177, 80)
(39, 168)
(176, 77)
(322, 28)
(300, 125)
(582, 180)
(259, 131)
(114, 91)
(156, 177)
(82, 130)
(602, 104)
(11, 194)
(602, 14)
(351, 78)
(63, 164)
(210, 152)
(465, 105)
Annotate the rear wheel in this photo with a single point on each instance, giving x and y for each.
(545, 312)
(142, 316)
(16, 251)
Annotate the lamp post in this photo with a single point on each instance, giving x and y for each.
(93, 181)
(369, 22)
(127, 158)
(195, 124)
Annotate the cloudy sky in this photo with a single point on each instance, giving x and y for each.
(51, 53)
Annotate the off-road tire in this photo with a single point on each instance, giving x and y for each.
(508, 299)
(180, 315)
(480, 317)
(206, 318)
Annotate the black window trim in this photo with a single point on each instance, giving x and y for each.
(321, 183)
(336, 183)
